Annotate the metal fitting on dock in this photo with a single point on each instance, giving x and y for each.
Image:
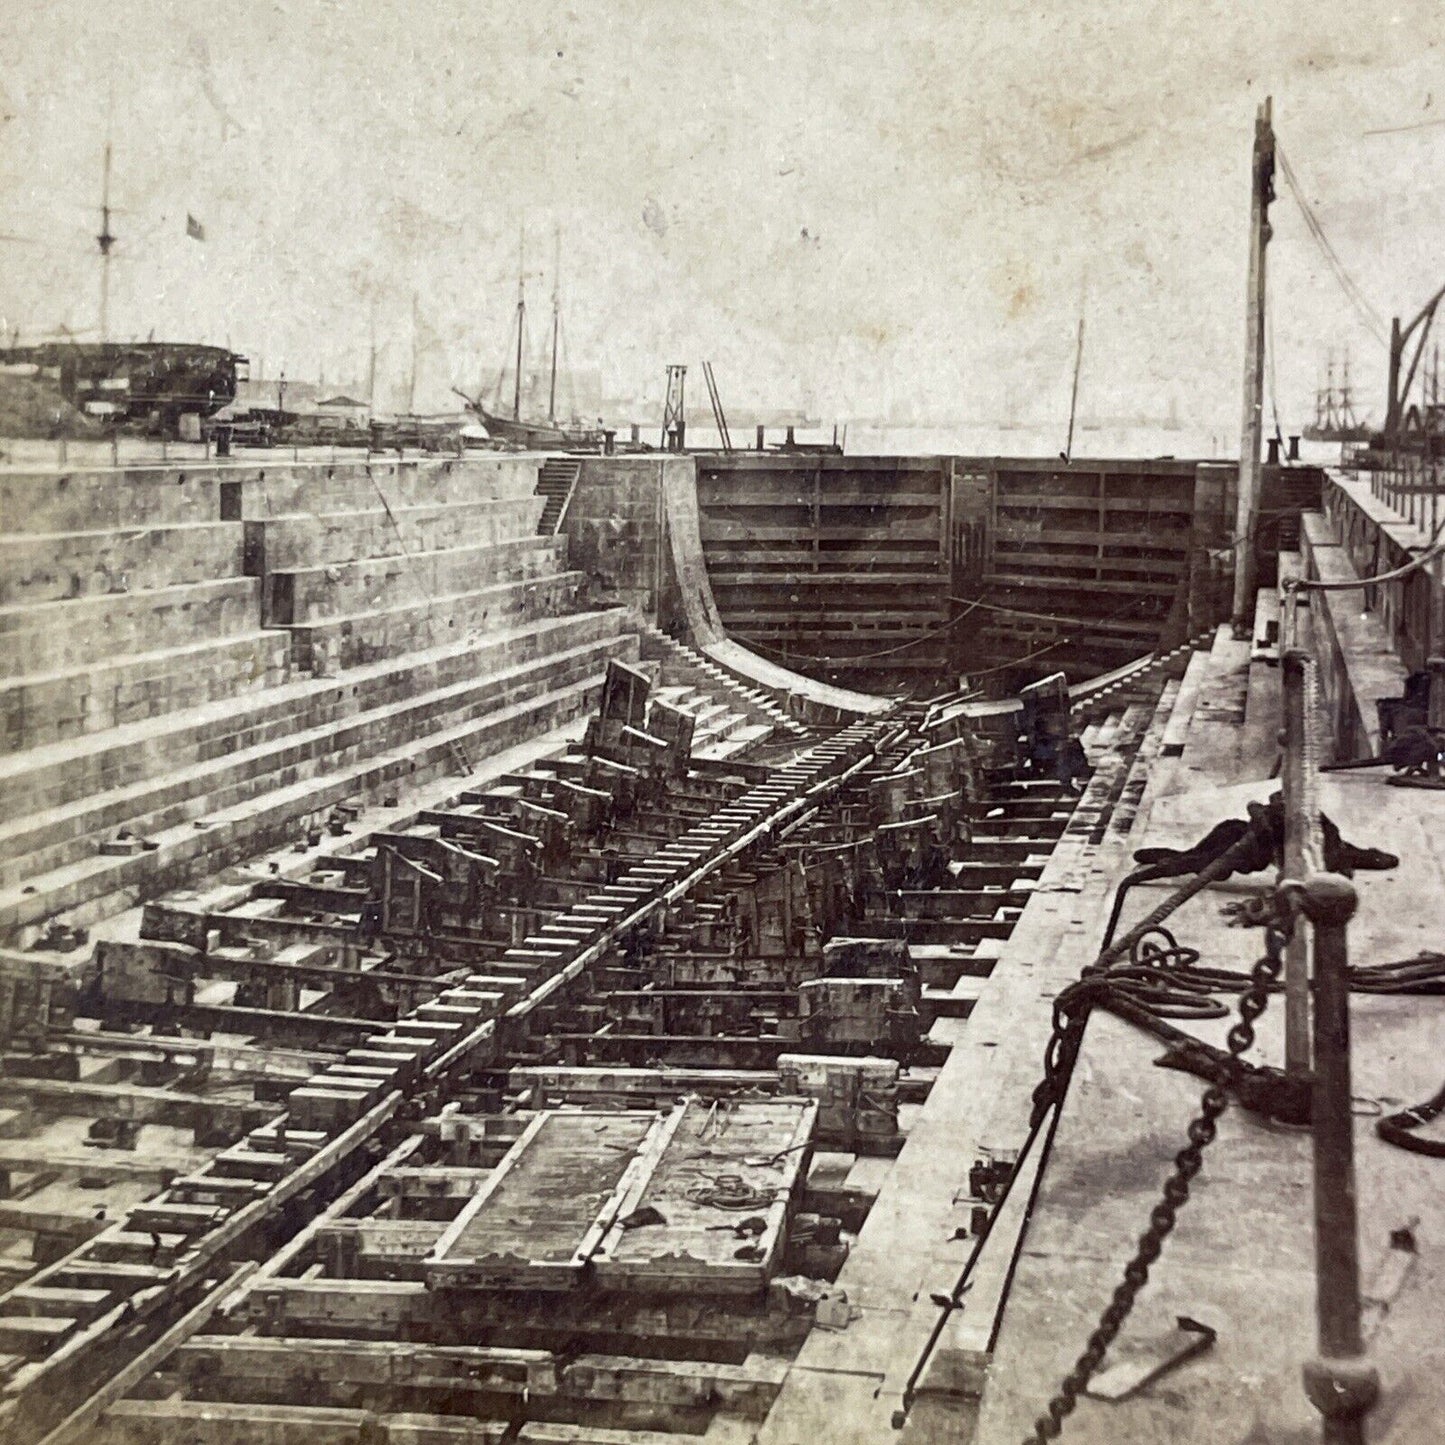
(1340, 1382)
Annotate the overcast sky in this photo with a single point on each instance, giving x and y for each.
(853, 203)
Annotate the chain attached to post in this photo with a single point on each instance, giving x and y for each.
(1175, 1193)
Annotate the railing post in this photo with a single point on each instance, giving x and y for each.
(1302, 854)
(1435, 717)
(1340, 1382)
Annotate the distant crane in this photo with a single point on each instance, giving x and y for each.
(1399, 339)
(674, 422)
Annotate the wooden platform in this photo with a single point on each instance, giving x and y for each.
(537, 1219)
(697, 1198)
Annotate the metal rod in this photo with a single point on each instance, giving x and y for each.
(1301, 855)
(1340, 1382)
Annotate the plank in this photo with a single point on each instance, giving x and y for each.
(85, 1415)
(530, 1222)
(764, 1147)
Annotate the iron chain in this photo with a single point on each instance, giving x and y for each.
(1063, 1047)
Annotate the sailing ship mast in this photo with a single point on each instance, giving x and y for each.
(535, 432)
(1347, 417)
(556, 322)
(521, 321)
(105, 240)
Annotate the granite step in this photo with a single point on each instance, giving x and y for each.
(335, 644)
(44, 841)
(313, 594)
(98, 887)
(53, 566)
(355, 486)
(54, 775)
(45, 637)
(52, 707)
(297, 540)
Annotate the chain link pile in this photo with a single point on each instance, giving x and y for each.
(1070, 1012)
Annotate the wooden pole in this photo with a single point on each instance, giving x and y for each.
(1246, 516)
(1074, 395)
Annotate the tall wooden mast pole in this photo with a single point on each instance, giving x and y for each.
(105, 241)
(556, 323)
(521, 322)
(1246, 516)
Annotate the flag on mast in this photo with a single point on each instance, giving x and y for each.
(194, 229)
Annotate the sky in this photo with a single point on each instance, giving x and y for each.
(858, 207)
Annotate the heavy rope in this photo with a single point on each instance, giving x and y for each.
(1396, 1128)
(1221, 867)
(1433, 548)
(1353, 293)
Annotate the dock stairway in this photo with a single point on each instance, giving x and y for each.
(556, 482)
(683, 664)
(197, 663)
(1134, 682)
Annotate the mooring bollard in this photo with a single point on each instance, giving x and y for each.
(1340, 1382)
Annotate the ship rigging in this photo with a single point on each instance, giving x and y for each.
(516, 429)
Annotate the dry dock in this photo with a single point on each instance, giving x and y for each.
(454, 991)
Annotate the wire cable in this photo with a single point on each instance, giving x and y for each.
(1357, 298)
(867, 656)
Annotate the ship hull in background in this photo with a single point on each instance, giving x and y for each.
(1338, 434)
(538, 436)
(150, 384)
